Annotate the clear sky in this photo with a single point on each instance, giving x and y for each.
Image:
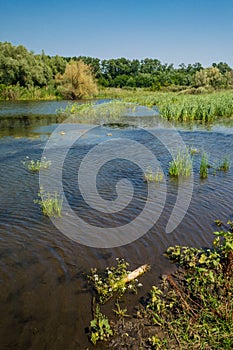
(173, 31)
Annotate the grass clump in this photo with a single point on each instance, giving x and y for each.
(50, 203)
(153, 176)
(204, 166)
(193, 150)
(36, 165)
(181, 165)
(224, 165)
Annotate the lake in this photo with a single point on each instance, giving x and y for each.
(45, 300)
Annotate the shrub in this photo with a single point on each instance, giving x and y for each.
(77, 81)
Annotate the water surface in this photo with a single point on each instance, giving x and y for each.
(45, 300)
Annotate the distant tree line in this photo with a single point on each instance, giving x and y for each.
(21, 67)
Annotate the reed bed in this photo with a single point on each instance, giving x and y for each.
(173, 106)
(180, 107)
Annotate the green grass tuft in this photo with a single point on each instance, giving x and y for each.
(224, 165)
(181, 165)
(36, 165)
(204, 166)
(50, 203)
(153, 176)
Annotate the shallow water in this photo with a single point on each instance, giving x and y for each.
(45, 301)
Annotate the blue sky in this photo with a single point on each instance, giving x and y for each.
(172, 31)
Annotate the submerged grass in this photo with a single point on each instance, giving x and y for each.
(153, 176)
(204, 166)
(181, 165)
(224, 165)
(36, 165)
(50, 203)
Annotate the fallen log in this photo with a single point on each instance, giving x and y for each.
(136, 273)
(131, 276)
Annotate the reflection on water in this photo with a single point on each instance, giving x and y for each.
(13, 108)
(45, 301)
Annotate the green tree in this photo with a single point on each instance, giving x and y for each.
(209, 77)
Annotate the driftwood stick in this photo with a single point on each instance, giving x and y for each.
(131, 276)
(136, 273)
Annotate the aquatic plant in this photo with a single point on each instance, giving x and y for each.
(181, 165)
(194, 306)
(224, 165)
(179, 107)
(101, 113)
(115, 280)
(50, 203)
(153, 176)
(204, 166)
(99, 327)
(193, 150)
(36, 165)
(171, 106)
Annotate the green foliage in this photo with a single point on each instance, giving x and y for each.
(100, 327)
(18, 65)
(186, 108)
(204, 166)
(213, 77)
(23, 67)
(156, 343)
(112, 280)
(192, 257)
(193, 150)
(17, 92)
(224, 165)
(151, 176)
(120, 312)
(194, 306)
(181, 165)
(24, 75)
(36, 165)
(50, 203)
(108, 112)
(226, 245)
